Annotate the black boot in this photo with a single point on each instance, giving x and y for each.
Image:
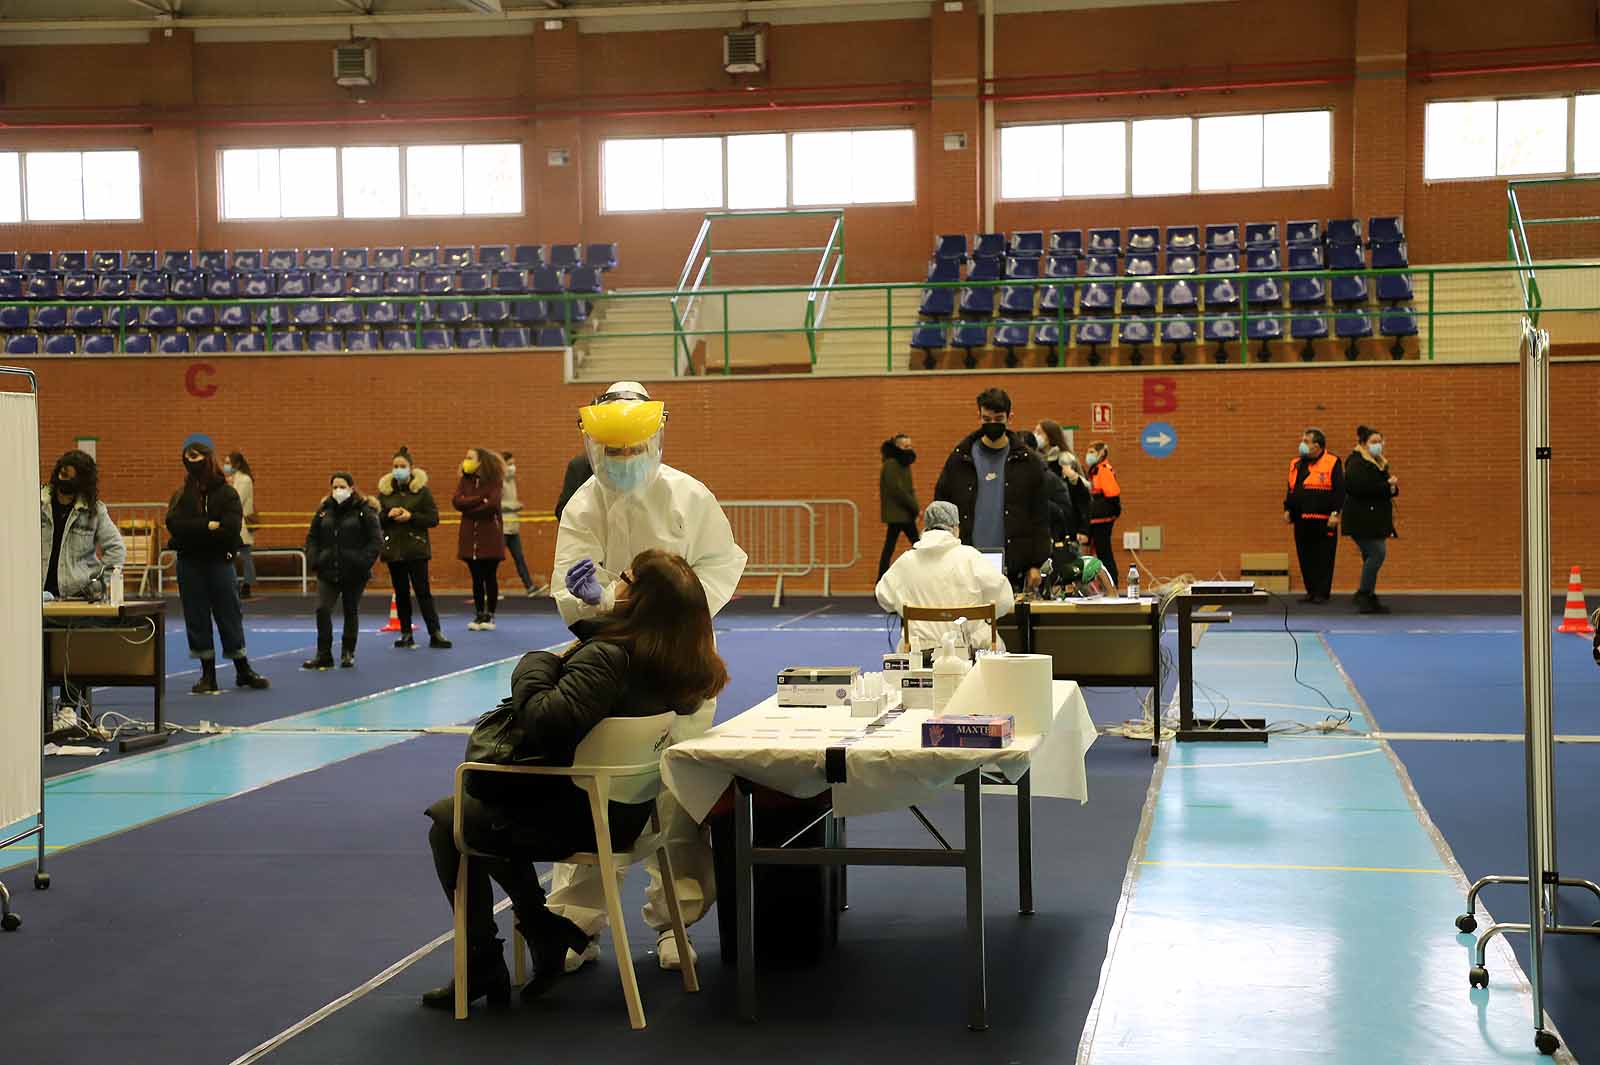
(549, 937)
(321, 660)
(487, 976)
(245, 677)
(436, 639)
(347, 659)
(1374, 605)
(207, 684)
(244, 591)
(406, 640)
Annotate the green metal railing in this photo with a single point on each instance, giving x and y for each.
(1519, 249)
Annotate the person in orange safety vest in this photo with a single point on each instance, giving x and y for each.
(1312, 505)
(1105, 505)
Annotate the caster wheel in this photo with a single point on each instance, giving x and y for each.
(41, 881)
(1478, 976)
(10, 922)
(1467, 923)
(1545, 1042)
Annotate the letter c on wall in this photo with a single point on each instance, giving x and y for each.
(194, 380)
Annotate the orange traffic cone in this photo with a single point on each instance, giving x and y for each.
(394, 616)
(1575, 618)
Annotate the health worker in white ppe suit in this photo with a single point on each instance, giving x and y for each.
(940, 570)
(634, 502)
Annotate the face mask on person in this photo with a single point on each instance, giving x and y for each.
(1375, 450)
(402, 474)
(511, 470)
(626, 474)
(993, 431)
(227, 468)
(907, 456)
(1305, 449)
(340, 494)
(196, 466)
(1091, 457)
(469, 466)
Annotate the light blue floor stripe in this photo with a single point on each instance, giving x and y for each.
(1240, 945)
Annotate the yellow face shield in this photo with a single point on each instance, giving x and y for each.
(624, 424)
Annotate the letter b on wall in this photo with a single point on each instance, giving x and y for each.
(1160, 395)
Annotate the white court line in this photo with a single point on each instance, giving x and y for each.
(779, 628)
(1274, 761)
(1478, 737)
(823, 609)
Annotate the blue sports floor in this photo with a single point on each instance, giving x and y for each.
(266, 895)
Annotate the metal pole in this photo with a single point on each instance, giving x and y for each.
(972, 847)
(744, 897)
(1025, 844)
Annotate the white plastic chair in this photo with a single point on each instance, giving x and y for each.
(619, 760)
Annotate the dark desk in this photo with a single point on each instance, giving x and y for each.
(100, 645)
(1251, 729)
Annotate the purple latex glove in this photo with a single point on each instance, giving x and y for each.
(582, 582)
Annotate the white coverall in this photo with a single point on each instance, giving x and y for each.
(942, 571)
(676, 513)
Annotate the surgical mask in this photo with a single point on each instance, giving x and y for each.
(1375, 450)
(227, 468)
(993, 431)
(1091, 457)
(627, 474)
(340, 494)
(1305, 449)
(402, 474)
(1041, 442)
(511, 470)
(469, 466)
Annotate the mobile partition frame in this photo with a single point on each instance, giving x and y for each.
(1544, 880)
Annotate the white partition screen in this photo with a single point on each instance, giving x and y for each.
(21, 649)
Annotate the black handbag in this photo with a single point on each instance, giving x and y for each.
(497, 738)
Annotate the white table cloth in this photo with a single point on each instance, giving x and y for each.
(784, 748)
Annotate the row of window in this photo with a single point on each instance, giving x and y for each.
(1135, 157)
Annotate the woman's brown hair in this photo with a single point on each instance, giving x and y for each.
(665, 624)
(1053, 433)
(491, 467)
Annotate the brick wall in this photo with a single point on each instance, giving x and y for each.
(1452, 432)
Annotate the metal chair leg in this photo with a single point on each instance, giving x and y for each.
(459, 947)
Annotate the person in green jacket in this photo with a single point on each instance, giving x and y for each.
(897, 496)
(406, 511)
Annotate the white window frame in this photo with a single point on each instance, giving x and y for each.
(338, 156)
(1127, 192)
(788, 173)
(1570, 169)
(24, 219)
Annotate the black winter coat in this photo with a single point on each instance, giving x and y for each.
(1027, 501)
(1368, 500)
(407, 541)
(189, 515)
(578, 473)
(1069, 506)
(344, 540)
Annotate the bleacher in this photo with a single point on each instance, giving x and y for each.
(316, 299)
(1150, 288)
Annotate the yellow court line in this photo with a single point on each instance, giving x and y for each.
(35, 846)
(1297, 868)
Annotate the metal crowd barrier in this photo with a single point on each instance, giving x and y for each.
(787, 538)
(839, 539)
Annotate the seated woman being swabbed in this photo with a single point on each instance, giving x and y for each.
(651, 654)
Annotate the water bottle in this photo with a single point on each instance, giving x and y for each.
(1133, 581)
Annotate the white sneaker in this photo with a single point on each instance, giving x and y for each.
(488, 624)
(577, 961)
(474, 625)
(667, 951)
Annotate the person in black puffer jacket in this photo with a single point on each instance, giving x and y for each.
(1370, 486)
(341, 546)
(406, 511)
(653, 653)
(204, 518)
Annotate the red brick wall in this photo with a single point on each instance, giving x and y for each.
(1452, 432)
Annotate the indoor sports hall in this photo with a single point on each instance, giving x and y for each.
(868, 531)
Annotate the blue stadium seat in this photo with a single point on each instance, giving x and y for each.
(492, 311)
(1052, 335)
(283, 259)
(136, 261)
(1057, 300)
(210, 343)
(1177, 332)
(1265, 330)
(422, 258)
(86, 316)
(1027, 243)
(38, 261)
(530, 312)
(1386, 229)
(294, 283)
(172, 343)
(1353, 328)
(246, 261)
(101, 262)
(1263, 260)
(50, 317)
(1016, 301)
(546, 281)
(61, 344)
(317, 259)
(197, 316)
(1140, 264)
(1011, 336)
(329, 284)
(1145, 239)
(473, 337)
(387, 258)
(989, 246)
(985, 270)
(452, 311)
(366, 283)
(138, 343)
(1349, 290)
(436, 339)
(124, 317)
(1346, 257)
(1066, 242)
(275, 315)
(513, 337)
(514, 282)
(970, 335)
(402, 283)
(8, 261)
(1307, 292)
(1023, 269)
(1138, 297)
(1136, 335)
(258, 286)
(13, 316)
(213, 261)
(324, 340)
(150, 286)
(551, 337)
(439, 281)
(528, 256)
(459, 256)
(1265, 292)
(344, 313)
(41, 286)
(951, 246)
(945, 271)
(1100, 266)
(977, 302)
(177, 262)
(302, 314)
(10, 286)
(1398, 326)
(1308, 257)
(114, 286)
(1105, 241)
(1387, 256)
(221, 286)
(473, 281)
(287, 340)
(99, 343)
(22, 344)
(1309, 330)
(161, 316)
(362, 340)
(248, 342)
(1097, 298)
(72, 261)
(494, 256)
(233, 316)
(1182, 262)
(1304, 233)
(1260, 235)
(78, 286)
(598, 256)
(1093, 334)
(1183, 239)
(1343, 231)
(937, 303)
(352, 259)
(1222, 262)
(1061, 266)
(1222, 295)
(188, 286)
(1394, 288)
(1178, 296)
(928, 338)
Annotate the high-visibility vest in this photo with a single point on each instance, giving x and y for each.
(1103, 482)
(1319, 477)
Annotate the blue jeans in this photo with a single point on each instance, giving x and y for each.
(247, 564)
(1373, 554)
(209, 592)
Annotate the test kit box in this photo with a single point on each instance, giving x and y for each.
(967, 730)
(897, 662)
(916, 689)
(816, 685)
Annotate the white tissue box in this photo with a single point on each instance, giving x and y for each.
(869, 707)
(916, 689)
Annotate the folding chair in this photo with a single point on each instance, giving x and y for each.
(620, 759)
(983, 612)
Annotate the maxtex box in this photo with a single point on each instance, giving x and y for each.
(967, 730)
